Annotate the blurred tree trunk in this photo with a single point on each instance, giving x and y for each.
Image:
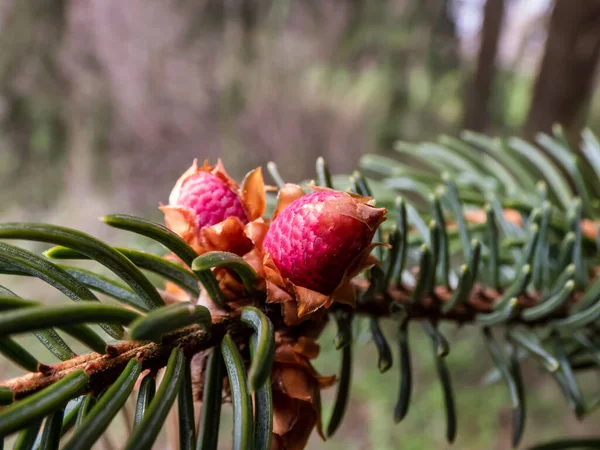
(565, 82)
(249, 12)
(358, 15)
(479, 90)
(429, 24)
(32, 86)
(444, 53)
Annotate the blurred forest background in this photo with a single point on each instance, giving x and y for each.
(104, 103)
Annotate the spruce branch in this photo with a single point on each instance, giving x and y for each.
(104, 369)
(527, 261)
(480, 301)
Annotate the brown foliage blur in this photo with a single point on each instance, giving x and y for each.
(148, 85)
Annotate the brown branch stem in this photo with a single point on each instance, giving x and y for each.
(104, 369)
(480, 301)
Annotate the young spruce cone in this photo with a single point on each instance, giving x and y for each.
(304, 257)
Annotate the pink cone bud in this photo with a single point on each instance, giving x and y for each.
(210, 198)
(316, 239)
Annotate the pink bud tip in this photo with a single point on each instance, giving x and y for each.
(317, 238)
(210, 198)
